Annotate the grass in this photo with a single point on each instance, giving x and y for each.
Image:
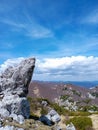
(81, 123)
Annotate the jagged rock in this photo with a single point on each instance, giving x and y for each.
(15, 79)
(14, 82)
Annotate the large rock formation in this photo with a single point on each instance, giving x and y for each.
(14, 82)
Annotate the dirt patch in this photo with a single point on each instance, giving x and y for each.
(94, 118)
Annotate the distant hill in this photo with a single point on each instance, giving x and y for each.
(67, 94)
(86, 84)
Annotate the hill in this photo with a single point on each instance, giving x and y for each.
(65, 94)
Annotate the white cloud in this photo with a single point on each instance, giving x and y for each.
(91, 18)
(64, 68)
(67, 68)
(30, 28)
(37, 31)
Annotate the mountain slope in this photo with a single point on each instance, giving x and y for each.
(67, 95)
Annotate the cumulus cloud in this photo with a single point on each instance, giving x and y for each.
(64, 68)
(70, 68)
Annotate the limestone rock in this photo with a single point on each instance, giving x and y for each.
(14, 82)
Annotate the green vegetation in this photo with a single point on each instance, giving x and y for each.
(60, 109)
(79, 113)
(76, 93)
(64, 89)
(87, 101)
(95, 94)
(81, 123)
(64, 97)
(35, 104)
(89, 108)
(44, 111)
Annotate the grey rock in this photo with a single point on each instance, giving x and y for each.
(7, 128)
(14, 82)
(51, 118)
(55, 117)
(15, 79)
(20, 119)
(70, 127)
(10, 128)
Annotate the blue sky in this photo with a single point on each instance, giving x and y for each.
(50, 30)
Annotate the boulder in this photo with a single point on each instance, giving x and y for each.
(51, 118)
(14, 82)
(55, 117)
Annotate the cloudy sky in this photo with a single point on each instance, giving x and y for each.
(61, 34)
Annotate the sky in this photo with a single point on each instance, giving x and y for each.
(61, 34)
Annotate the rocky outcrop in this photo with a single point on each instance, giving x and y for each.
(14, 82)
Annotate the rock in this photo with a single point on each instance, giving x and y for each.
(7, 128)
(55, 117)
(20, 119)
(70, 127)
(15, 79)
(51, 118)
(44, 103)
(10, 128)
(57, 127)
(14, 82)
(0, 123)
(46, 120)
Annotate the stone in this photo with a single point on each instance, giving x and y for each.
(20, 119)
(51, 118)
(14, 82)
(70, 127)
(15, 79)
(7, 128)
(10, 128)
(55, 117)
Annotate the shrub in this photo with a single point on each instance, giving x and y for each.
(87, 101)
(76, 93)
(60, 109)
(64, 97)
(95, 94)
(44, 111)
(81, 123)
